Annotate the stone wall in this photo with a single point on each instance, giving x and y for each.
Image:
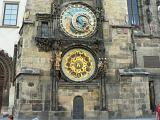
(157, 90)
(90, 96)
(149, 46)
(30, 56)
(34, 95)
(154, 26)
(129, 97)
(115, 12)
(36, 6)
(119, 50)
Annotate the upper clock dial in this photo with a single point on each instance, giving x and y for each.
(78, 21)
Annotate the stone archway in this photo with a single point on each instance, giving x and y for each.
(6, 76)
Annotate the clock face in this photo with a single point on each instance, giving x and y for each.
(78, 64)
(78, 21)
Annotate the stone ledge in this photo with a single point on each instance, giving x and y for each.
(28, 71)
(133, 71)
(9, 26)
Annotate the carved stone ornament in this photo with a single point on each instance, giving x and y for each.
(58, 59)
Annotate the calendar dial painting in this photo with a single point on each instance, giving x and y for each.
(78, 64)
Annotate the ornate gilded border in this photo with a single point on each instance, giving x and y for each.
(86, 49)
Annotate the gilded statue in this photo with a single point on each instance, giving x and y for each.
(58, 54)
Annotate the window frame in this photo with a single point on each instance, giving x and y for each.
(155, 61)
(10, 3)
(131, 13)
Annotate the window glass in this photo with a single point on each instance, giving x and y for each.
(133, 15)
(10, 14)
(159, 8)
(45, 29)
(12, 22)
(159, 12)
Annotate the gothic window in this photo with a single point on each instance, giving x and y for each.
(44, 29)
(158, 12)
(149, 15)
(17, 91)
(10, 14)
(133, 15)
(147, 2)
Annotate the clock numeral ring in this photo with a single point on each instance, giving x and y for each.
(78, 21)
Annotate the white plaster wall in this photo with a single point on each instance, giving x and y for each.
(10, 35)
(11, 98)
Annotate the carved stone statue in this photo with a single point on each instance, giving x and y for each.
(58, 59)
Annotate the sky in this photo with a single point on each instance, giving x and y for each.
(8, 37)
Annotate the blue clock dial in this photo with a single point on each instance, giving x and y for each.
(78, 21)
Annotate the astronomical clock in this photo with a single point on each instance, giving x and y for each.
(76, 42)
(78, 24)
(78, 20)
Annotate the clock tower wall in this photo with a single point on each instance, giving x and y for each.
(115, 12)
(47, 40)
(36, 6)
(90, 97)
(33, 80)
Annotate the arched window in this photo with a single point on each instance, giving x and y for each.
(158, 8)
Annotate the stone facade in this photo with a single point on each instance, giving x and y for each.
(124, 90)
(129, 96)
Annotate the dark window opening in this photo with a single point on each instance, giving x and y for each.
(44, 29)
(151, 61)
(10, 14)
(158, 11)
(147, 2)
(152, 96)
(149, 15)
(133, 15)
(158, 8)
(17, 92)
